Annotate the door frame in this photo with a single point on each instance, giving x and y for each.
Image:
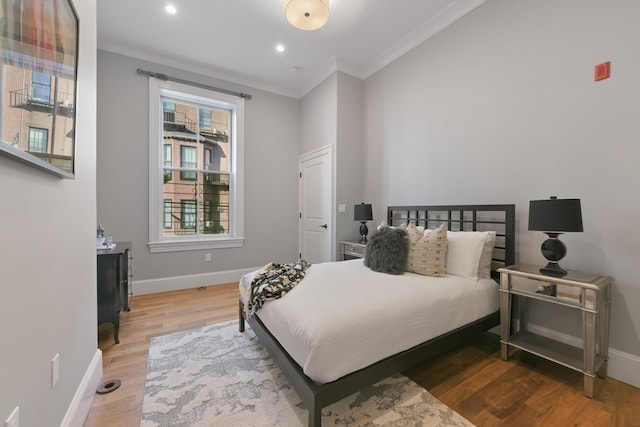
(327, 151)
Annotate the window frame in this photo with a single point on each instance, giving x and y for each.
(235, 237)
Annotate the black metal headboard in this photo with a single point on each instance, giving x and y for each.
(498, 218)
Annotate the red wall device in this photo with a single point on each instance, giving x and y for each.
(602, 71)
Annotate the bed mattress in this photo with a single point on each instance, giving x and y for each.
(343, 317)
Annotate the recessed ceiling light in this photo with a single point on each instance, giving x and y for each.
(280, 48)
(170, 9)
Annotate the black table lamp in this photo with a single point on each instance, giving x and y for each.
(554, 216)
(363, 213)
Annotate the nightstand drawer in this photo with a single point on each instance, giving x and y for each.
(354, 249)
(351, 250)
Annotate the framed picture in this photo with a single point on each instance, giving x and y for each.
(38, 82)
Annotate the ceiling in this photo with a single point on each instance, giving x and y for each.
(235, 40)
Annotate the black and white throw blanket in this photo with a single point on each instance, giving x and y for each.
(273, 282)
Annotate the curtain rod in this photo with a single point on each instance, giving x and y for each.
(187, 82)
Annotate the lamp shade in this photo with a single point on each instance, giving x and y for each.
(307, 15)
(362, 212)
(555, 215)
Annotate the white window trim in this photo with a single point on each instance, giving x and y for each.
(157, 241)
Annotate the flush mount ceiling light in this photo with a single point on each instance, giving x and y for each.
(307, 15)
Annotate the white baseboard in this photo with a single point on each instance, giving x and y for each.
(622, 366)
(81, 403)
(166, 284)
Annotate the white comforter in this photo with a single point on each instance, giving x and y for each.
(343, 317)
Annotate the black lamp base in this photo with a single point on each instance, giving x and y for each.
(553, 250)
(553, 269)
(364, 230)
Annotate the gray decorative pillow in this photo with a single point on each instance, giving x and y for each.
(387, 251)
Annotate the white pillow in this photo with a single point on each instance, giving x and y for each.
(469, 253)
(484, 268)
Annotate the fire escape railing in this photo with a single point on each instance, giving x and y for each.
(26, 98)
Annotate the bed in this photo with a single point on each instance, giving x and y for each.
(361, 310)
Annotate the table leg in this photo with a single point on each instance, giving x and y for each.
(588, 385)
(589, 334)
(505, 315)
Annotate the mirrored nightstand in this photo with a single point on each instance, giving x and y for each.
(588, 293)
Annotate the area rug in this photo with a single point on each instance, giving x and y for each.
(216, 376)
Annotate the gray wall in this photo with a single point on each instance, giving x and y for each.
(48, 265)
(319, 116)
(332, 113)
(501, 107)
(349, 156)
(272, 134)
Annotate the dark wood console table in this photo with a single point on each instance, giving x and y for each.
(114, 281)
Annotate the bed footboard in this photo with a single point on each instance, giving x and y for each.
(240, 316)
(293, 373)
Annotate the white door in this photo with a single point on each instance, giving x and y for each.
(315, 191)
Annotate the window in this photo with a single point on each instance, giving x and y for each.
(188, 214)
(205, 118)
(167, 156)
(40, 87)
(188, 163)
(169, 111)
(208, 159)
(196, 202)
(208, 214)
(38, 139)
(168, 217)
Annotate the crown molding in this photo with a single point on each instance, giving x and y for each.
(447, 16)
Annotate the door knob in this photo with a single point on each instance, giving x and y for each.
(324, 226)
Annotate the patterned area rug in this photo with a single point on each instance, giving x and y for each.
(218, 377)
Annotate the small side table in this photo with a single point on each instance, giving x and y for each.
(588, 293)
(113, 282)
(351, 250)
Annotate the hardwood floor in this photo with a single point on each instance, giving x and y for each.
(473, 380)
